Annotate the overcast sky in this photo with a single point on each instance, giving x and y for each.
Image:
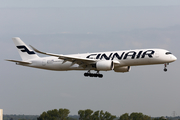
(85, 3)
(79, 26)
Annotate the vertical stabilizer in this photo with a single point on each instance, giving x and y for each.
(24, 51)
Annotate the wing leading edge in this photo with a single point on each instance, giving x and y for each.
(73, 59)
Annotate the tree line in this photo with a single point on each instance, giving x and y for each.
(88, 114)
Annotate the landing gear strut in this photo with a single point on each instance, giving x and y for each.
(89, 74)
(165, 67)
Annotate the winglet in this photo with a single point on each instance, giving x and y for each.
(36, 50)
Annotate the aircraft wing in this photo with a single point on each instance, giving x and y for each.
(72, 59)
(75, 60)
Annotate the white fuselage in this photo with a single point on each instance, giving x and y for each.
(119, 61)
(123, 58)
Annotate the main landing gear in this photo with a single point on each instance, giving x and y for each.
(165, 67)
(88, 74)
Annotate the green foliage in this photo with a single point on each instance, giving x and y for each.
(134, 116)
(85, 114)
(161, 118)
(88, 114)
(98, 115)
(61, 114)
(107, 116)
(125, 116)
(95, 115)
(81, 114)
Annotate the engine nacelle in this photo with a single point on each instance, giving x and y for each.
(122, 69)
(105, 65)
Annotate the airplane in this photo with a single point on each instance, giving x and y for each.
(119, 61)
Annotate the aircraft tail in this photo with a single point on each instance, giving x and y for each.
(24, 51)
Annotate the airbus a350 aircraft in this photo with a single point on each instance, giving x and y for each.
(119, 61)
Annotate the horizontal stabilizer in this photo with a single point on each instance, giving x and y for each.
(21, 62)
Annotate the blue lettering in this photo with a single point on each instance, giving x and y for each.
(90, 55)
(105, 57)
(148, 53)
(139, 54)
(24, 49)
(131, 53)
(117, 56)
(97, 57)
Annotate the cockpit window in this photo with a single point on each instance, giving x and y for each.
(167, 53)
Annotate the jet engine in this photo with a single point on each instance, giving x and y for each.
(104, 65)
(122, 69)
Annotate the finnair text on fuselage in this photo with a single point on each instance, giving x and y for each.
(123, 55)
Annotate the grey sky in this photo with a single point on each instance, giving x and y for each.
(89, 26)
(85, 3)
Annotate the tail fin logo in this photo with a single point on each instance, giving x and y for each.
(25, 49)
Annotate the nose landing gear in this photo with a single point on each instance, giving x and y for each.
(165, 67)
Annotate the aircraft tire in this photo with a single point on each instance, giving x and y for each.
(91, 75)
(165, 69)
(86, 74)
(100, 75)
(95, 75)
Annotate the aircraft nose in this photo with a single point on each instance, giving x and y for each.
(174, 58)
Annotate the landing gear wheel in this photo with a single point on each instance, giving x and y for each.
(95, 75)
(100, 75)
(165, 69)
(88, 74)
(91, 75)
